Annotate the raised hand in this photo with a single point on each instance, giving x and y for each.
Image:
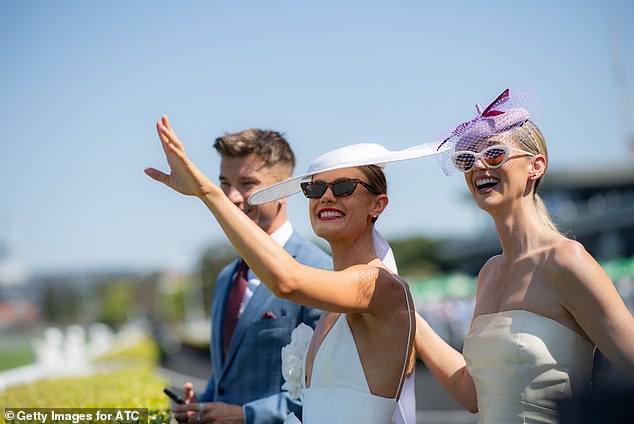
(184, 176)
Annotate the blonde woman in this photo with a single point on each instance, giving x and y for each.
(543, 304)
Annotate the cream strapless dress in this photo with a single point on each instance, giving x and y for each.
(522, 363)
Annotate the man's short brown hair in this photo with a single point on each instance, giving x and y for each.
(270, 146)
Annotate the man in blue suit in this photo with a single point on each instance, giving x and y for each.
(249, 324)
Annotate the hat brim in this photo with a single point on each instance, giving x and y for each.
(346, 157)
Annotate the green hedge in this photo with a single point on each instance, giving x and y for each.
(131, 383)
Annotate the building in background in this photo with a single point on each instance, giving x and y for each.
(18, 306)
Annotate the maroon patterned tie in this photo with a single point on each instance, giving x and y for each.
(232, 307)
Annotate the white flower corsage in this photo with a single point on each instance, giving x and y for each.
(293, 360)
(292, 419)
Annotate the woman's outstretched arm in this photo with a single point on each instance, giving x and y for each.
(446, 364)
(356, 289)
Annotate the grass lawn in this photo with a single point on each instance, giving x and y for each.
(15, 351)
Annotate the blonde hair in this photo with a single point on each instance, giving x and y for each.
(530, 138)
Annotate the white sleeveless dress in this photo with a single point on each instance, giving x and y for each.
(522, 363)
(338, 391)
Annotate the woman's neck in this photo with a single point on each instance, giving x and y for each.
(521, 231)
(347, 252)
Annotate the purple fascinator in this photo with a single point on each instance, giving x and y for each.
(509, 110)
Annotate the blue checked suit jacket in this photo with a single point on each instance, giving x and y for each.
(251, 374)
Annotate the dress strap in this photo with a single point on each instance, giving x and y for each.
(409, 337)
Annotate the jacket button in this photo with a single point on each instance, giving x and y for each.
(221, 391)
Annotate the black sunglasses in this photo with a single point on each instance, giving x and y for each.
(340, 188)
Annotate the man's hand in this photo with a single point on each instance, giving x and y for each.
(189, 396)
(209, 412)
(188, 393)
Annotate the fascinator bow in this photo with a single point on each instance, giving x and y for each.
(488, 112)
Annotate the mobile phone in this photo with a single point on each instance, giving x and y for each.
(173, 396)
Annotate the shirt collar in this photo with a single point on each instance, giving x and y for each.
(282, 234)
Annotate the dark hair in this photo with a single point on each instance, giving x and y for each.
(376, 178)
(270, 146)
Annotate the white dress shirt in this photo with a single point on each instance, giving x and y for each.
(281, 236)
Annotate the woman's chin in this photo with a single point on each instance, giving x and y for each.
(486, 203)
(322, 232)
(329, 234)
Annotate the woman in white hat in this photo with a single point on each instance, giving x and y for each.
(363, 345)
(543, 304)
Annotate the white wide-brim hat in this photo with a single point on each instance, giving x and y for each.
(345, 157)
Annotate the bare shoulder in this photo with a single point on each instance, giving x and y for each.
(567, 252)
(570, 265)
(394, 280)
(372, 279)
(378, 273)
(568, 257)
(387, 292)
(490, 266)
(487, 273)
(492, 263)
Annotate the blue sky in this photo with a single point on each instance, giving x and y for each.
(83, 82)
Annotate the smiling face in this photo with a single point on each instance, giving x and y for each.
(491, 187)
(349, 216)
(242, 176)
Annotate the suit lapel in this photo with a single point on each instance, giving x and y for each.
(253, 312)
(293, 244)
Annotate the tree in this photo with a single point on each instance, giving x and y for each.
(418, 256)
(213, 260)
